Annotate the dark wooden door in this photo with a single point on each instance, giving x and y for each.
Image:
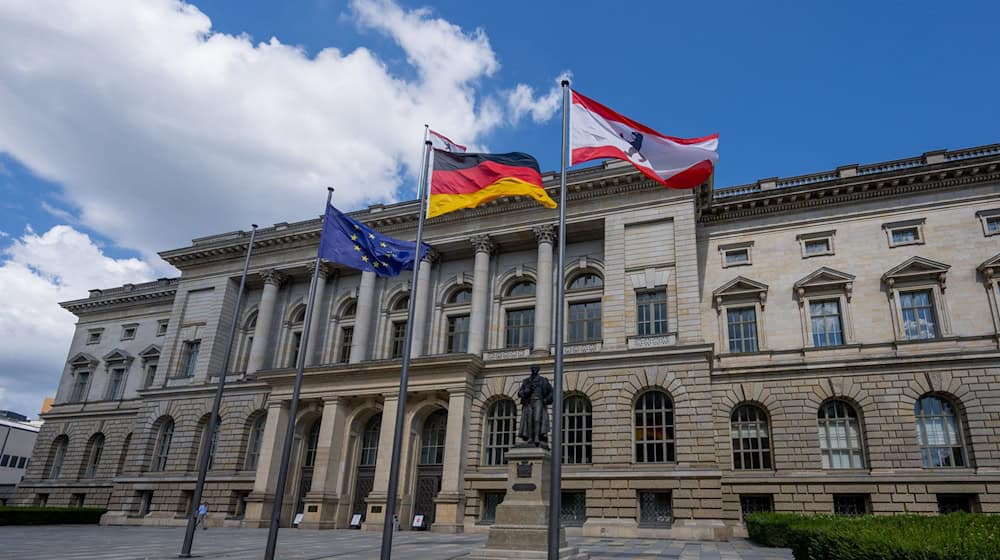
(428, 486)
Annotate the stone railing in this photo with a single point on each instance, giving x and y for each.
(895, 165)
(973, 153)
(735, 191)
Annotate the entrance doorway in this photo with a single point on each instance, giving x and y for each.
(308, 463)
(429, 465)
(368, 456)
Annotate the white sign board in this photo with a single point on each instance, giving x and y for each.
(356, 520)
(298, 519)
(418, 521)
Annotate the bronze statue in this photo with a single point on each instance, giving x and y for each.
(536, 395)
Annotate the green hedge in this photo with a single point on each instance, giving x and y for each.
(12, 515)
(957, 536)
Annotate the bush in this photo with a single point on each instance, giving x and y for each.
(899, 537)
(13, 515)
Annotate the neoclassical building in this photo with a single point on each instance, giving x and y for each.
(823, 343)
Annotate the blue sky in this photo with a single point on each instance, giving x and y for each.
(130, 128)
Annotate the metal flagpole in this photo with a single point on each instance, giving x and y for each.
(206, 442)
(555, 484)
(404, 376)
(300, 363)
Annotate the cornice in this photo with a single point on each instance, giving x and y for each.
(129, 294)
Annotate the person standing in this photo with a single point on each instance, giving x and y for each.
(202, 513)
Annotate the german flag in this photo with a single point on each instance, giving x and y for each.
(468, 180)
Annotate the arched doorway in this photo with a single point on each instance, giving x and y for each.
(308, 464)
(429, 464)
(367, 457)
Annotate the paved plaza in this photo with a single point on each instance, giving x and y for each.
(85, 542)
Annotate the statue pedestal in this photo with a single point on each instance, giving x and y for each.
(521, 527)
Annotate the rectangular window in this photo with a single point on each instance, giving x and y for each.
(94, 337)
(584, 321)
(4, 460)
(80, 387)
(346, 340)
(735, 257)
(993, 225)
(128, 332)
(815, 247)
(398, 338)
(191, 349)
(850, 504)
(145, 502)
(490, 502)
(956, 503)
(77, 500)
(150, 376)
(905, 235)
(756, 503)
(826, 324)
(21, 462)
(296, 344)
(520, 327)
(574, 508)
(742, 323)
(655, 509)
(161, 328)
(458, 334)
(651, 312)
(115, 384)
(918, 315)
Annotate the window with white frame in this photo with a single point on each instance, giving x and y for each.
(128, 331)
(457, 313)
(583, 296)
(740, 306)
(990, 220)
(907, 232)
(917, 299)
(736, 254)
(939, 432)
(816, 244)
(651, 312)
(94, 336)
(824, 297)
(840, 437)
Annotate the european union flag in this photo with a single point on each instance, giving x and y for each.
(351, 243)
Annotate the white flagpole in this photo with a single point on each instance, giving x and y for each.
(300, 364)
(555, 484)
(404, 376)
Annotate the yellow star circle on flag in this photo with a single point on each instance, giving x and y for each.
(364, 258)
(354, 237)
(371, 235)
(357, 247)
(382, 244)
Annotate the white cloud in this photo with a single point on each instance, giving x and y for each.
(37, 271)
(160, 129)
(522, 101)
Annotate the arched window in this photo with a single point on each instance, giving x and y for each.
(345, 337)
(397, 318)
(123, 456)
(254, 442)
(57, 454)
(578, 425)
(213, 440)
(524, 288)
(501, 429)
(246, 341)
(939, 430)
(164, 437)
(92, 457)
(751, 439)
(312, 443)
(369, 441)
(296, 326)
(586, 281)
(402, 304)
(432, 438)
(840, 436)
(461, 295)
(654, 428)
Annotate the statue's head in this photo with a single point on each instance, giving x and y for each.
(535, 368)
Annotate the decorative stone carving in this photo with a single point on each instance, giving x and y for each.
(545, 233)
(483, 244)
(506, 354)
(324, 269)
(273, 276)
(651, 341)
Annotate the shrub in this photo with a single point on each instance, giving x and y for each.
(14, 515)
(900, 537)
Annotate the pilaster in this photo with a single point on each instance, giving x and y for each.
(484, 247)
(261, 500)
(364, 318)
(543, 293)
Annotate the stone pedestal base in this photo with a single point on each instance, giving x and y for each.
(521, 527)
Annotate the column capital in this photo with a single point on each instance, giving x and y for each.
(324, 269)
(272, 276)
(545, 233)
(335, 399)
(431, 256)
(460, 391)
(483, 244)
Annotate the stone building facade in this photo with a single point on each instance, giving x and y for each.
(823, 343)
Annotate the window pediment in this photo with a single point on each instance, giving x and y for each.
(83, 359)
(990, 267)
(916, 268)
(151, 352)
(118, 355)
(740, 287)
(825, 278)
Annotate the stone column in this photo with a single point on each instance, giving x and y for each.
(420, 311)
(265, 316)
(450, 503)
(380, 488)
(364, 318)
(261, 500)
(543, 289)
(480, 283)
(324, 495)
(313, 348)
